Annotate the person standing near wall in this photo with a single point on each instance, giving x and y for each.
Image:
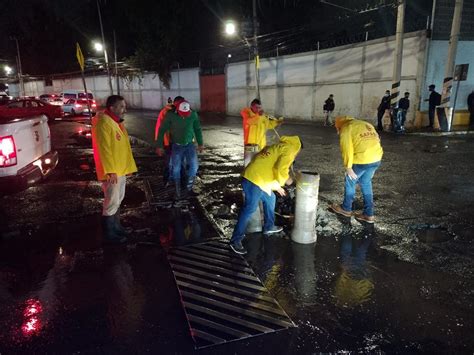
(170, 106)
(434, 100)
(361, 155)
(328, 109)
(403, 106)
(470, 107)
(383, 106)
(267, 172)
(183, 125)
(113, 161)
(256, 123)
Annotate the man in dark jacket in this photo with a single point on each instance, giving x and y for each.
(470, 107)
(434, 100)
(403, 106)
(328, 108)
(384, 105)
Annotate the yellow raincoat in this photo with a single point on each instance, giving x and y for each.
(359, 141)
(269, 169)
(112, 151)
(256, 126)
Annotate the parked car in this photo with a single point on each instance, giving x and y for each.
(29, 107)
(79, 107)
(49, 98)
(67, 95)
(25, 151)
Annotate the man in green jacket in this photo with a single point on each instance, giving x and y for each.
(183, 125)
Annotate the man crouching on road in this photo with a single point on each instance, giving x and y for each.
(267, 172)
(361, 155)
(113, 161)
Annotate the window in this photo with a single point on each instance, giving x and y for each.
(16, 104)
(82, 95)
(70, 102)
(69, 96)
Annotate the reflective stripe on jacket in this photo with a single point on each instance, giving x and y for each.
(269, 169)
(112, 151)
(256, 126)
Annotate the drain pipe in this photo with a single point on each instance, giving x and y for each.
(255, 223)
(307, 190)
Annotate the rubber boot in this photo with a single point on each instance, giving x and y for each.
(119, 229)
(189, 187)
(178, 195)
(109, 232)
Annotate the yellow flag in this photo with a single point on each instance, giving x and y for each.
(80, 56)
(257, 61)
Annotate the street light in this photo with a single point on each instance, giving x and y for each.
(230, 28)
(8, 70)
(98, 47)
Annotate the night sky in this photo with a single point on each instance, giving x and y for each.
(161, 33)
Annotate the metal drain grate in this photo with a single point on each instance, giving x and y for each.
(158, 194)
(222, 297)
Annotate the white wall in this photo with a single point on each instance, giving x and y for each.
(296, 86)
(145, 92)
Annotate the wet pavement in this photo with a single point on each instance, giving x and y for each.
(404, 287)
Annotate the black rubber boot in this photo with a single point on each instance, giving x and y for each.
(109, 232)
(189, 188)
(119, 229)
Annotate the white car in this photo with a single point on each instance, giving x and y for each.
(79, 107)
(25, 151)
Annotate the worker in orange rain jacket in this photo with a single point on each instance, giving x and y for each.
(256, 124)
(113, 161)
(361, 155)
(166, 139)
(267, 172)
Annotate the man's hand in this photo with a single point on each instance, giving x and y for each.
(200, 148)
(289, 181)
(112, 178)
(281, 191)
(352, 175)
(160, 152)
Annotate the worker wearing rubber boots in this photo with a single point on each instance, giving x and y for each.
(361, 155)
(267, 172)
(256, 123)
(183, 125)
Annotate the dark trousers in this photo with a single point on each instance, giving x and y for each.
(471, 120)
(431, 115)
(380, 114)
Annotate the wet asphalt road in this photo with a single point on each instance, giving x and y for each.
(404, 287)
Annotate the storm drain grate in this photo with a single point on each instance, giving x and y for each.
(158, 194)
(222, 297)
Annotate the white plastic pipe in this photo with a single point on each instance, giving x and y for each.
(255, 223)
(307, 190)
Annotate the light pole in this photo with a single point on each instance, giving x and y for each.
(18, 62)
(105, 50)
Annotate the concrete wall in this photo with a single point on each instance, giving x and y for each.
(145, 92)
(438, 52)
(296, 86)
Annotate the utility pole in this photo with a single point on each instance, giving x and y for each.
(116, 68)
(397, 63)
(105, 49)
(20, 73)
(445, 114)
(255, 49)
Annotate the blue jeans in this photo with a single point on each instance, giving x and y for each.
(365, 173)
(253, 195)
(179, 154)
(400, 121)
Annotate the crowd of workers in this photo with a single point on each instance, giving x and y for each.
(178, 130)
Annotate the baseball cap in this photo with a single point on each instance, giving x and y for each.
(184, 109)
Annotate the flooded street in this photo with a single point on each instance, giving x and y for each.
(404, 286)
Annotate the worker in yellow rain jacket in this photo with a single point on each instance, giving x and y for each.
(267, 172)
(170, 106)
(256, 124)
(113, 161)
(361, 155)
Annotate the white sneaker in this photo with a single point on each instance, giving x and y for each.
(273, 230)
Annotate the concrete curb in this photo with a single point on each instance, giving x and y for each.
(440, 134)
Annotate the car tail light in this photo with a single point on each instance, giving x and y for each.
(94, 105)
(78, 105)
(7, 152)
